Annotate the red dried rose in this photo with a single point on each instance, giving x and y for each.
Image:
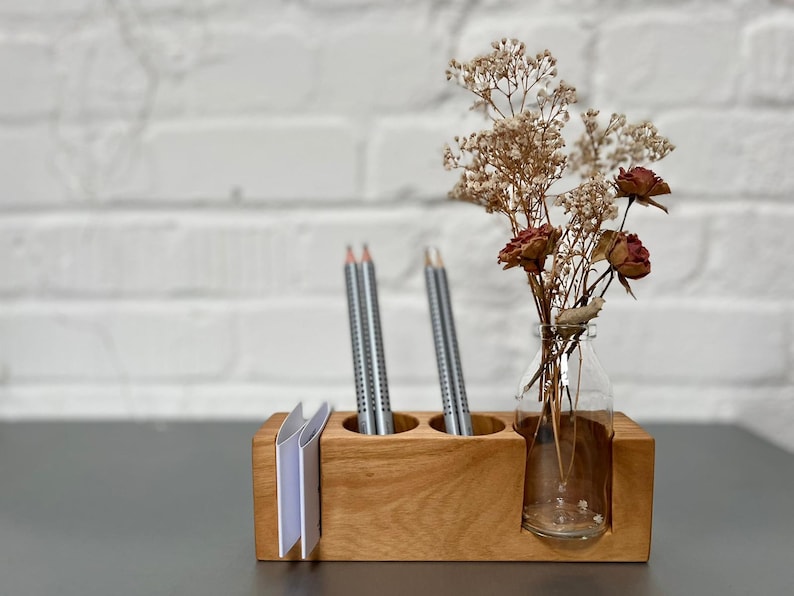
(640, 184)
(629, 257)
(530, 248)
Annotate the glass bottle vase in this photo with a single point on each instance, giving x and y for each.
(565, 415)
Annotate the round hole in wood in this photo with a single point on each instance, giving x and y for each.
(402, 423)
(482, 424)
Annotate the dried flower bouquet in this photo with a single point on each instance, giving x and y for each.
(569, 243)
(512, 167)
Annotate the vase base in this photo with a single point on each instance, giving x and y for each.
(563, 520)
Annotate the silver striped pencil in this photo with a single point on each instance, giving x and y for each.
(451, 339)
(444, 372)
(364, 405)
(384, 421)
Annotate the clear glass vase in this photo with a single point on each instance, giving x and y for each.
(565, 414)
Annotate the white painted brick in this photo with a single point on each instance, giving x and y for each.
(708, 158)
(309, 342)
(189, 344)
(154, 258)
(43, 8)
(767, 147)
(729, 154)
(496, 345)
(94, 259)
(41, 346)
(568, 39)
(245, 72)
(204, 5)
(333, 5)
(489, 360)
(768, 66)
(18, 270)
(598, 8)
(396, 240)
(704, 342)
(406, 158)
(677, 243)
(790, 319)
(298, 341)
(407, 340)
(278, 161)
(367, 67)
(680, 60)
(260, 320)
(28, 80)
(100, 74)
(750, 254)
(116, 345)
(26, 168)
(470, 240)
(99, 161)
(224, 260)
(155, 73)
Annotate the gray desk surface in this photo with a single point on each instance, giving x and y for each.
(114, 509)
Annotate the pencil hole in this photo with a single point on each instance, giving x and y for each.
(481, 424)
(402, 423)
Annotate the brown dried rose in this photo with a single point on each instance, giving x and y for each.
(628, 256)
(530, 248)
(640, 184)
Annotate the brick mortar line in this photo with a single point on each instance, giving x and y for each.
(286, 119)
(239, 384)
(165, 303)
(680, 203)
(35, 304)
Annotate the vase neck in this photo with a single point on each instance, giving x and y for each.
(583, 332)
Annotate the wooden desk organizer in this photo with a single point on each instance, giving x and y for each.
(421, 494)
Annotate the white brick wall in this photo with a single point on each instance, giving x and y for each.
(180, 179)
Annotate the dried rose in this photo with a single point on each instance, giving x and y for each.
(530, 248)
(640, 184)
(628, 256)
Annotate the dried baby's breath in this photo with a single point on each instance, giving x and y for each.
(604, 149)
(512, 168)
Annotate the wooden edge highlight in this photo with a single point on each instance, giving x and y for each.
(632, 484)
(263, 466)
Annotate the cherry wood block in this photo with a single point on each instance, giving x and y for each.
(423, 495)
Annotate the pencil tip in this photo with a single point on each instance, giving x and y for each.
(439, 260)
(350, 258)
(428, 260)
(365, 256)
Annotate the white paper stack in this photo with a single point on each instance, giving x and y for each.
(298, 479)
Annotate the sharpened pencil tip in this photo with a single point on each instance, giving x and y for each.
(428, 260)
(439, 261)
(365, 256)
(350, 258)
